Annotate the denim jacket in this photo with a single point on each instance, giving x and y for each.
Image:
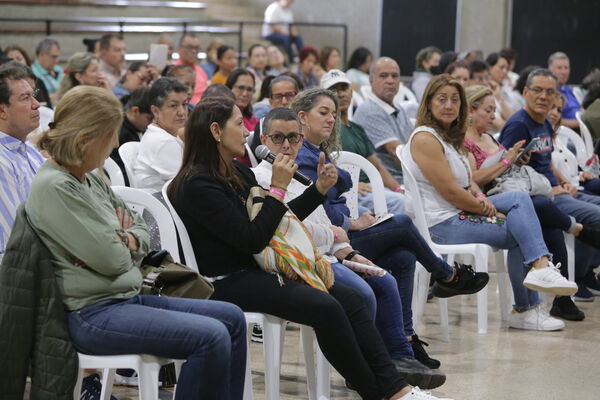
(335, 204)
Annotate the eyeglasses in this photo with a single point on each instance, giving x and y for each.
(288, 96)
(538, 91)
(443, 99)
(279, 138)
(244, 88)
(481, 78)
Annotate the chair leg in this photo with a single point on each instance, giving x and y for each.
(272, 352)
(482, 296)
(148, 380)
(248, 390)
(108, 379)
(77, 389)
(309, 361)
(323, 374)
(570, 244)
(503, 286)
(445, 331)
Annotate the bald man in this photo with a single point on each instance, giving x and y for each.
(386, 126)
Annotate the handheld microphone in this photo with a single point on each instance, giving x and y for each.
(264, 153)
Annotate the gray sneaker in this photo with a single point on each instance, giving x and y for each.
(417, 374)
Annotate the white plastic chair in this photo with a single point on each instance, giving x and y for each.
(479, 252)
(129, 152)
(114, 172)
(273, 327)
(566, 134)
(354, 163)
(251, 155)
(356, 101)
(585, 134)
(147, 366)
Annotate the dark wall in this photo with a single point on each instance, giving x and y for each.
(541, 27)
(409, 25)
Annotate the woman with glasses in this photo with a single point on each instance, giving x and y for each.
(137, 76)
(241, 83)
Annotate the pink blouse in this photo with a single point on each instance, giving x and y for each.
(480, 154)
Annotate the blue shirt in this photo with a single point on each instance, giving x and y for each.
(335, 204)
(120, 91)
(521, 126)
(572, 105)
(51, 80)
(19, 163)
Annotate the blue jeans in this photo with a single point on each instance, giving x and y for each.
(520, 234)
(396, 245)
(592, 186)
(395, 201)
(388, 316)
(286, 41)
(209, 335)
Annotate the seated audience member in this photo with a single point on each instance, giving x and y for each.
(510, 55)
(218, 90)
(309, 58)
(426, 59)
(479, 74)
(189, 47)
(209, 195)
(457, 211)
(330, 58)
(276, 64)
(386, 126)
(515, 97)
(210, 64)
(459, 70)
(112, 58)
(359, 66)
(241, 83)
(98, 243)
(395, 244)
(283, 135)
(227, 62)
(483, 148)
(82, 69)
(257, 65)
(559, 65)
(354, 139)
(92, 45)
(591, 115)
(498, 73)
(168, 40)
(281, 92)
(447, 58)
(19, 161)
(46, 66)
(137, 76)
(279, 29)
(529, 122)
(185, 75)
(138, 116)
(19, 54)
(161, 148)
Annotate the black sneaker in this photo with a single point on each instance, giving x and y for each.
(257, 335)
(91, 387)
(421, 355)
(563, 307)
(466, 281)
(592, 283)
(417, 374)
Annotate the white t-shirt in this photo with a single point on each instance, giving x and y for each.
(275, 14)
(159, 158)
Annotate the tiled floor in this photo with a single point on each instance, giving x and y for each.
(502, 364)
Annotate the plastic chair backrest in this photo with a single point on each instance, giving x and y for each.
(405, 94)
(114, 172)
(354, 163)
(586, 135)
(129, 152)
(251, 155)
(184, 237)
(565, 134)
(140, 200)
(411, 190)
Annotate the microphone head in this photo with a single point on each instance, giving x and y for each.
(262, 152)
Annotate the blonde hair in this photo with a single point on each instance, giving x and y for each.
(77, 63)
(476, 94)
(455, 135)
(84, 114)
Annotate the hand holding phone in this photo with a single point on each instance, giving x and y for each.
(529, 147)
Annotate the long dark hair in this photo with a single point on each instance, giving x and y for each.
(201, 150)
(232, 79)
(359, 57)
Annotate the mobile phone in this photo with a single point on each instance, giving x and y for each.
(529, 147)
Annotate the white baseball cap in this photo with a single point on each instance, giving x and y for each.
(332, 77)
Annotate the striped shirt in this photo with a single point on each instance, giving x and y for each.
(18, 164)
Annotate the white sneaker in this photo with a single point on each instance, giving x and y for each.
(549, 280)
(418, 394)
(536, 319)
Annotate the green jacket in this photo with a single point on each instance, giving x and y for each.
(33, 322)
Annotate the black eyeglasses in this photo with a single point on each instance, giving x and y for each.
(279, 138)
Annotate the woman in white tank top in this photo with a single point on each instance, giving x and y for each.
(458, 212)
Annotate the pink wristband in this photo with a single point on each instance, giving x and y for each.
(335, 237)
(398, 188)
(277, 192)
(506, 162)
(480, 195)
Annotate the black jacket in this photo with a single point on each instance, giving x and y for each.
(128, 133)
